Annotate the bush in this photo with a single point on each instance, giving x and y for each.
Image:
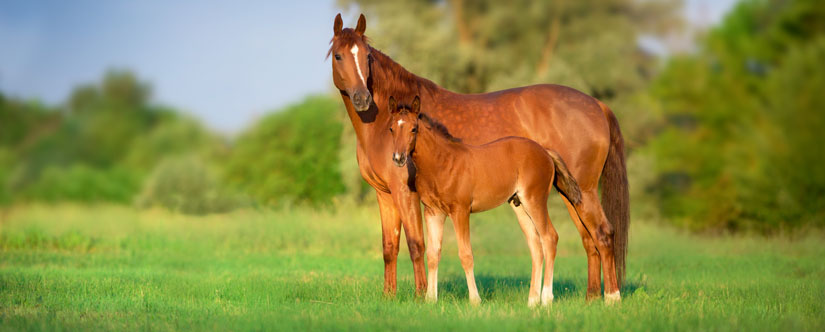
(185, 184)
(291, 156)
(82, 183)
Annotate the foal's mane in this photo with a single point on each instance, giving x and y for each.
(438, 127)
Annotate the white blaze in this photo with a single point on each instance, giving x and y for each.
(354, 51)
(400, 122)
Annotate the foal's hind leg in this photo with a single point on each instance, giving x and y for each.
(533, 242)
(435, 231)
(536, 208)
(461, 222)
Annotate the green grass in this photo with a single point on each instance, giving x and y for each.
(114, 268)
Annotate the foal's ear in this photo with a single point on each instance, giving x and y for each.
(362, 25)
(416, 105)
(339, 23)
(392, 105)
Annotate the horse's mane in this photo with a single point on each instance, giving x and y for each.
(393, 79)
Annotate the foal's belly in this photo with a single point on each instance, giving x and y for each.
(487, 198)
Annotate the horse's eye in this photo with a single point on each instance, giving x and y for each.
(390, 129)
(338, 57)
(415, 129)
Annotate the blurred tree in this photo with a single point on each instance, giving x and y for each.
(478, 46)
(290, 156)
(744, 121)
(186, 184)
(98, 146)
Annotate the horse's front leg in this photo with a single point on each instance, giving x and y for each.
(390, 233)
(435, 231)
(408, 204)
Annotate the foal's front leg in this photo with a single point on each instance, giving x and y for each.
(461, 222)
(435, 231)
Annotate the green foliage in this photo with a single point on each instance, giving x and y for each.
(186, 185)
(744, 121)
(81, 183)
(291, 155)
(96, 147)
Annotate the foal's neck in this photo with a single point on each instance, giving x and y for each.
(433, 151)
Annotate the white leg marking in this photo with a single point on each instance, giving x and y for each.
(547, 295)
(357, 66)
(611, 298)
(432, 286)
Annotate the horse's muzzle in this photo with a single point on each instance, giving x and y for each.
(361, 101)
(399, 159)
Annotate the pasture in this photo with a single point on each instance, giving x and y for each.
(109, 267)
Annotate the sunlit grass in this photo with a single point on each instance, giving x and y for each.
(112, 267)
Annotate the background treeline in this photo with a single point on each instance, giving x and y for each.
(723, 138)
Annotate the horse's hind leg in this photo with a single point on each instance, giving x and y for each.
(536, 208)
(601, 231)
(594, 264)
(435, 231)
(533, 242)
(461, 223)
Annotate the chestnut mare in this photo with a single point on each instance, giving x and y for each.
(580, 128)
(458, 179)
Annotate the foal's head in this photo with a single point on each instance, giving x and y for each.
(404, 129)
(351, 62)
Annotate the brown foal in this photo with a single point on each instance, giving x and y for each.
(455, 179)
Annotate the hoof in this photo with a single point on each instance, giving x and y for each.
(532, 302)
(431, 298)
(475, 301)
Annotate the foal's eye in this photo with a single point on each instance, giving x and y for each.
(390, 129)
(415, 130)
(338, 57)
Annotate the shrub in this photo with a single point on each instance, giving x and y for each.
(291, 156)
(82, 183)
(186, 185)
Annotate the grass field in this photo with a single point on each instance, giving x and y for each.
(107, 267)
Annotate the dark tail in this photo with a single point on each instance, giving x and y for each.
(615, 194)
(564, 181)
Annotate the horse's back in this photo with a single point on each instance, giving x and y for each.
(555, 116)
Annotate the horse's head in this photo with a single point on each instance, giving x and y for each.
(404, 129)
(351, 62)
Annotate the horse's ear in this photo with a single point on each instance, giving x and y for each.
(339, 23)
(392, 105)
(362, 25)
(416, 104)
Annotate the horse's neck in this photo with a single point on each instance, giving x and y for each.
(433, 152)
(369, 125)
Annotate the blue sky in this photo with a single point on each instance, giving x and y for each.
(228, 62)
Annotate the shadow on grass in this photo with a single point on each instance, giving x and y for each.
(490, 285)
